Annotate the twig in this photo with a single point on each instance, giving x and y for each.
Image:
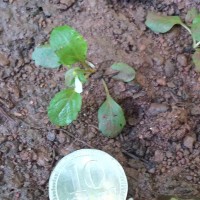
(71, 135)
(67, 132)
(94, 127)
(146, 163)
(6, 115)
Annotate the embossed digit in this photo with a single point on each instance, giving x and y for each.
(93, 174)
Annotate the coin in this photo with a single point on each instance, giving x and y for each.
(88, 174)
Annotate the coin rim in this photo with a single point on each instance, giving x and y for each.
(58, 169)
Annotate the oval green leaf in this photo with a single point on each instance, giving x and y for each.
(111, 118)
(196, 60)
(68, 44)
(126, 73)
(161, 24)
(44, 56)
(64, 107)
(195, 28)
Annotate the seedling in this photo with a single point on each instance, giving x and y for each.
(162, 24)
(67, 47)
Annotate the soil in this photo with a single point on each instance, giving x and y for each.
(160, 146)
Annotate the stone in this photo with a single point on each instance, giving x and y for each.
(188, 142)
(195, 110)
(51, 136)
(119, 87)
(169, 68)
(133, 173)
(152, 170)
(159, 60)
(18, 180)
(90, 135)
(156, 108)
(163, 169)
(161, 81)
(189, 178)
(169, 154)
(67, 2)
(158, 156)
(132, 121)
(171, 85)
(61, 137)
(2, 139)
(182, 60)
(3, 60)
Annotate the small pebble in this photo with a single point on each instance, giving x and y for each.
(51, 136)
(189, 178)
(163, 169)
(161, 81)
(152, 171)
(159, 60)
(119, 87)
(171, 85)
(61, 137)
(132, 121)
(156, 108)
(169, 68)
(158, 156)
(188, 142)
(182, 60)
(195, 110)
(169, 154)
(3, 60)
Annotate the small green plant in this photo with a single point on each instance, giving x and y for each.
(162, 24)
(67, 47)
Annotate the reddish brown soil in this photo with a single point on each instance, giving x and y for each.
(160, 145)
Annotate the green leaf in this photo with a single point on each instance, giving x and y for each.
(161, 24)
(111, 118)
(68, 44)
(196, 60)
(81, 76)
(71, 74)
(126, 73)
(64, 107)
(195, 28)
(45, 57)
(191, 14)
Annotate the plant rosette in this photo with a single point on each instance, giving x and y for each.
(67, 47)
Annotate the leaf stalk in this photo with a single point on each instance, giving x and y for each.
(87, 67)
(106, 88)
(182, 24)
(196, 45)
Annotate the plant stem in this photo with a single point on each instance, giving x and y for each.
(196, 45)
(87, 67)
(90, 64)
(106, 88)
(186, 28)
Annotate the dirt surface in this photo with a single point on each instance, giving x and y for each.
(160, 145)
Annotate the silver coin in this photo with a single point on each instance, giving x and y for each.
(88, 174)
